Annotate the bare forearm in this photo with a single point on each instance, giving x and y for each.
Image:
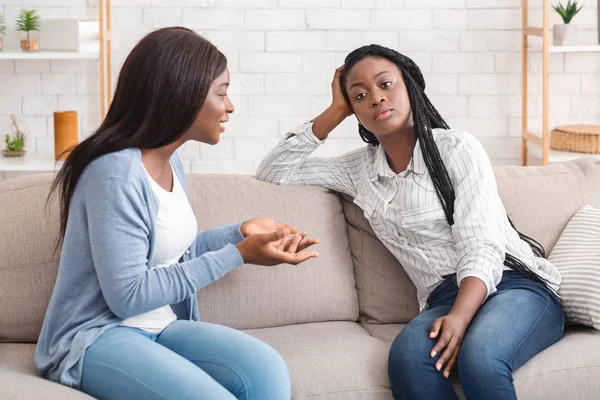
(471, 294)
(327, 121)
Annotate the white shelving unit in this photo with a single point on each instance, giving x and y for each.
(537, 144)
(29, 163)
(16, 54)
(574, 49)
(37, 163)
(555, 156)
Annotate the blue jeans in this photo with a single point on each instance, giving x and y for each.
(187, 360)
(518, 321)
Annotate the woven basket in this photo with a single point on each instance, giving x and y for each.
(576, 138)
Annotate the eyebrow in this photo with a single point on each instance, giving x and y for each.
(224, 84)
(375, 77)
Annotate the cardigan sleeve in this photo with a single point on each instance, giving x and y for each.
(118, 225)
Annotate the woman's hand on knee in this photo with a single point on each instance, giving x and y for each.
(276, 248)
(450, 330)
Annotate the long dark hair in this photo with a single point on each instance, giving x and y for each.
(161, 88)
(426, 117)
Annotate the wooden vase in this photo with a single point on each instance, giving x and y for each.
(66, 133)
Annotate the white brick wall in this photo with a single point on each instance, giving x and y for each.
(282, 54)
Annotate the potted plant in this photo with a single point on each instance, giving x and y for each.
(566, 33)
(2, 31)
(15, 144)
(28, 21)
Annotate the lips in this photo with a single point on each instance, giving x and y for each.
(222, 126)
(382, 113)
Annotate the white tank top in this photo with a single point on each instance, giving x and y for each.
(174, 231)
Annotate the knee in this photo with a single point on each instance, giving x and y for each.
(268, 376)
(271, 362)
(481, 361)
(409, 352)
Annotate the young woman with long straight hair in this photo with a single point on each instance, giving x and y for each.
(123, 320)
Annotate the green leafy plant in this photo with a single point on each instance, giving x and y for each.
(16, 143)
(2, 25)
(567, 13)
(28, 21)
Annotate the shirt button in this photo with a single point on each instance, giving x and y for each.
(187, 252)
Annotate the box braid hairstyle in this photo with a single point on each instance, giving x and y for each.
(426, 117)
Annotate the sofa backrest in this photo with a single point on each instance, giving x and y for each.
(539, 200)
(319, 290)
(28, 260)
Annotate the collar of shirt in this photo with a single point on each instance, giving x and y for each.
(382, 168)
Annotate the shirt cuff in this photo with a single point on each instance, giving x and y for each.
(305, 130)
(489, 284)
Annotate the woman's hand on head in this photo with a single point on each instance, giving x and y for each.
(336, 113)
(275, 247)
(338, 101)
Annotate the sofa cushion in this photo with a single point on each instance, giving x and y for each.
(385, 292)
(542, 200)
(331, 361)
(567, 370)
(577, 257)
(19, 377)
(18, 357)
(29, 263)
(321, 289)
(384, 332)
(249, 297)
(539, 200)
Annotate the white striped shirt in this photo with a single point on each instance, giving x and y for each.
(406, 213)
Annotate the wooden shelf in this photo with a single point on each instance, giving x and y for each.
(16, 54)
(29, 163)
(575, 49)
(555, 156)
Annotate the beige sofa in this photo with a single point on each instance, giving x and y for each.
(333, 318)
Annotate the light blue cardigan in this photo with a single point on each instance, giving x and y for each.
(104, 275)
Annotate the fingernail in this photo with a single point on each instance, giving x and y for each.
(431, 335)
(446, 374)
(433, 353)
(438, 366)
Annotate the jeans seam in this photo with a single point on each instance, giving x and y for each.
(530, 330)
(129, 375)
(562, 314)
(246, 387)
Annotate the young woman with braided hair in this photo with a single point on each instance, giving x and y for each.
(488, 297)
